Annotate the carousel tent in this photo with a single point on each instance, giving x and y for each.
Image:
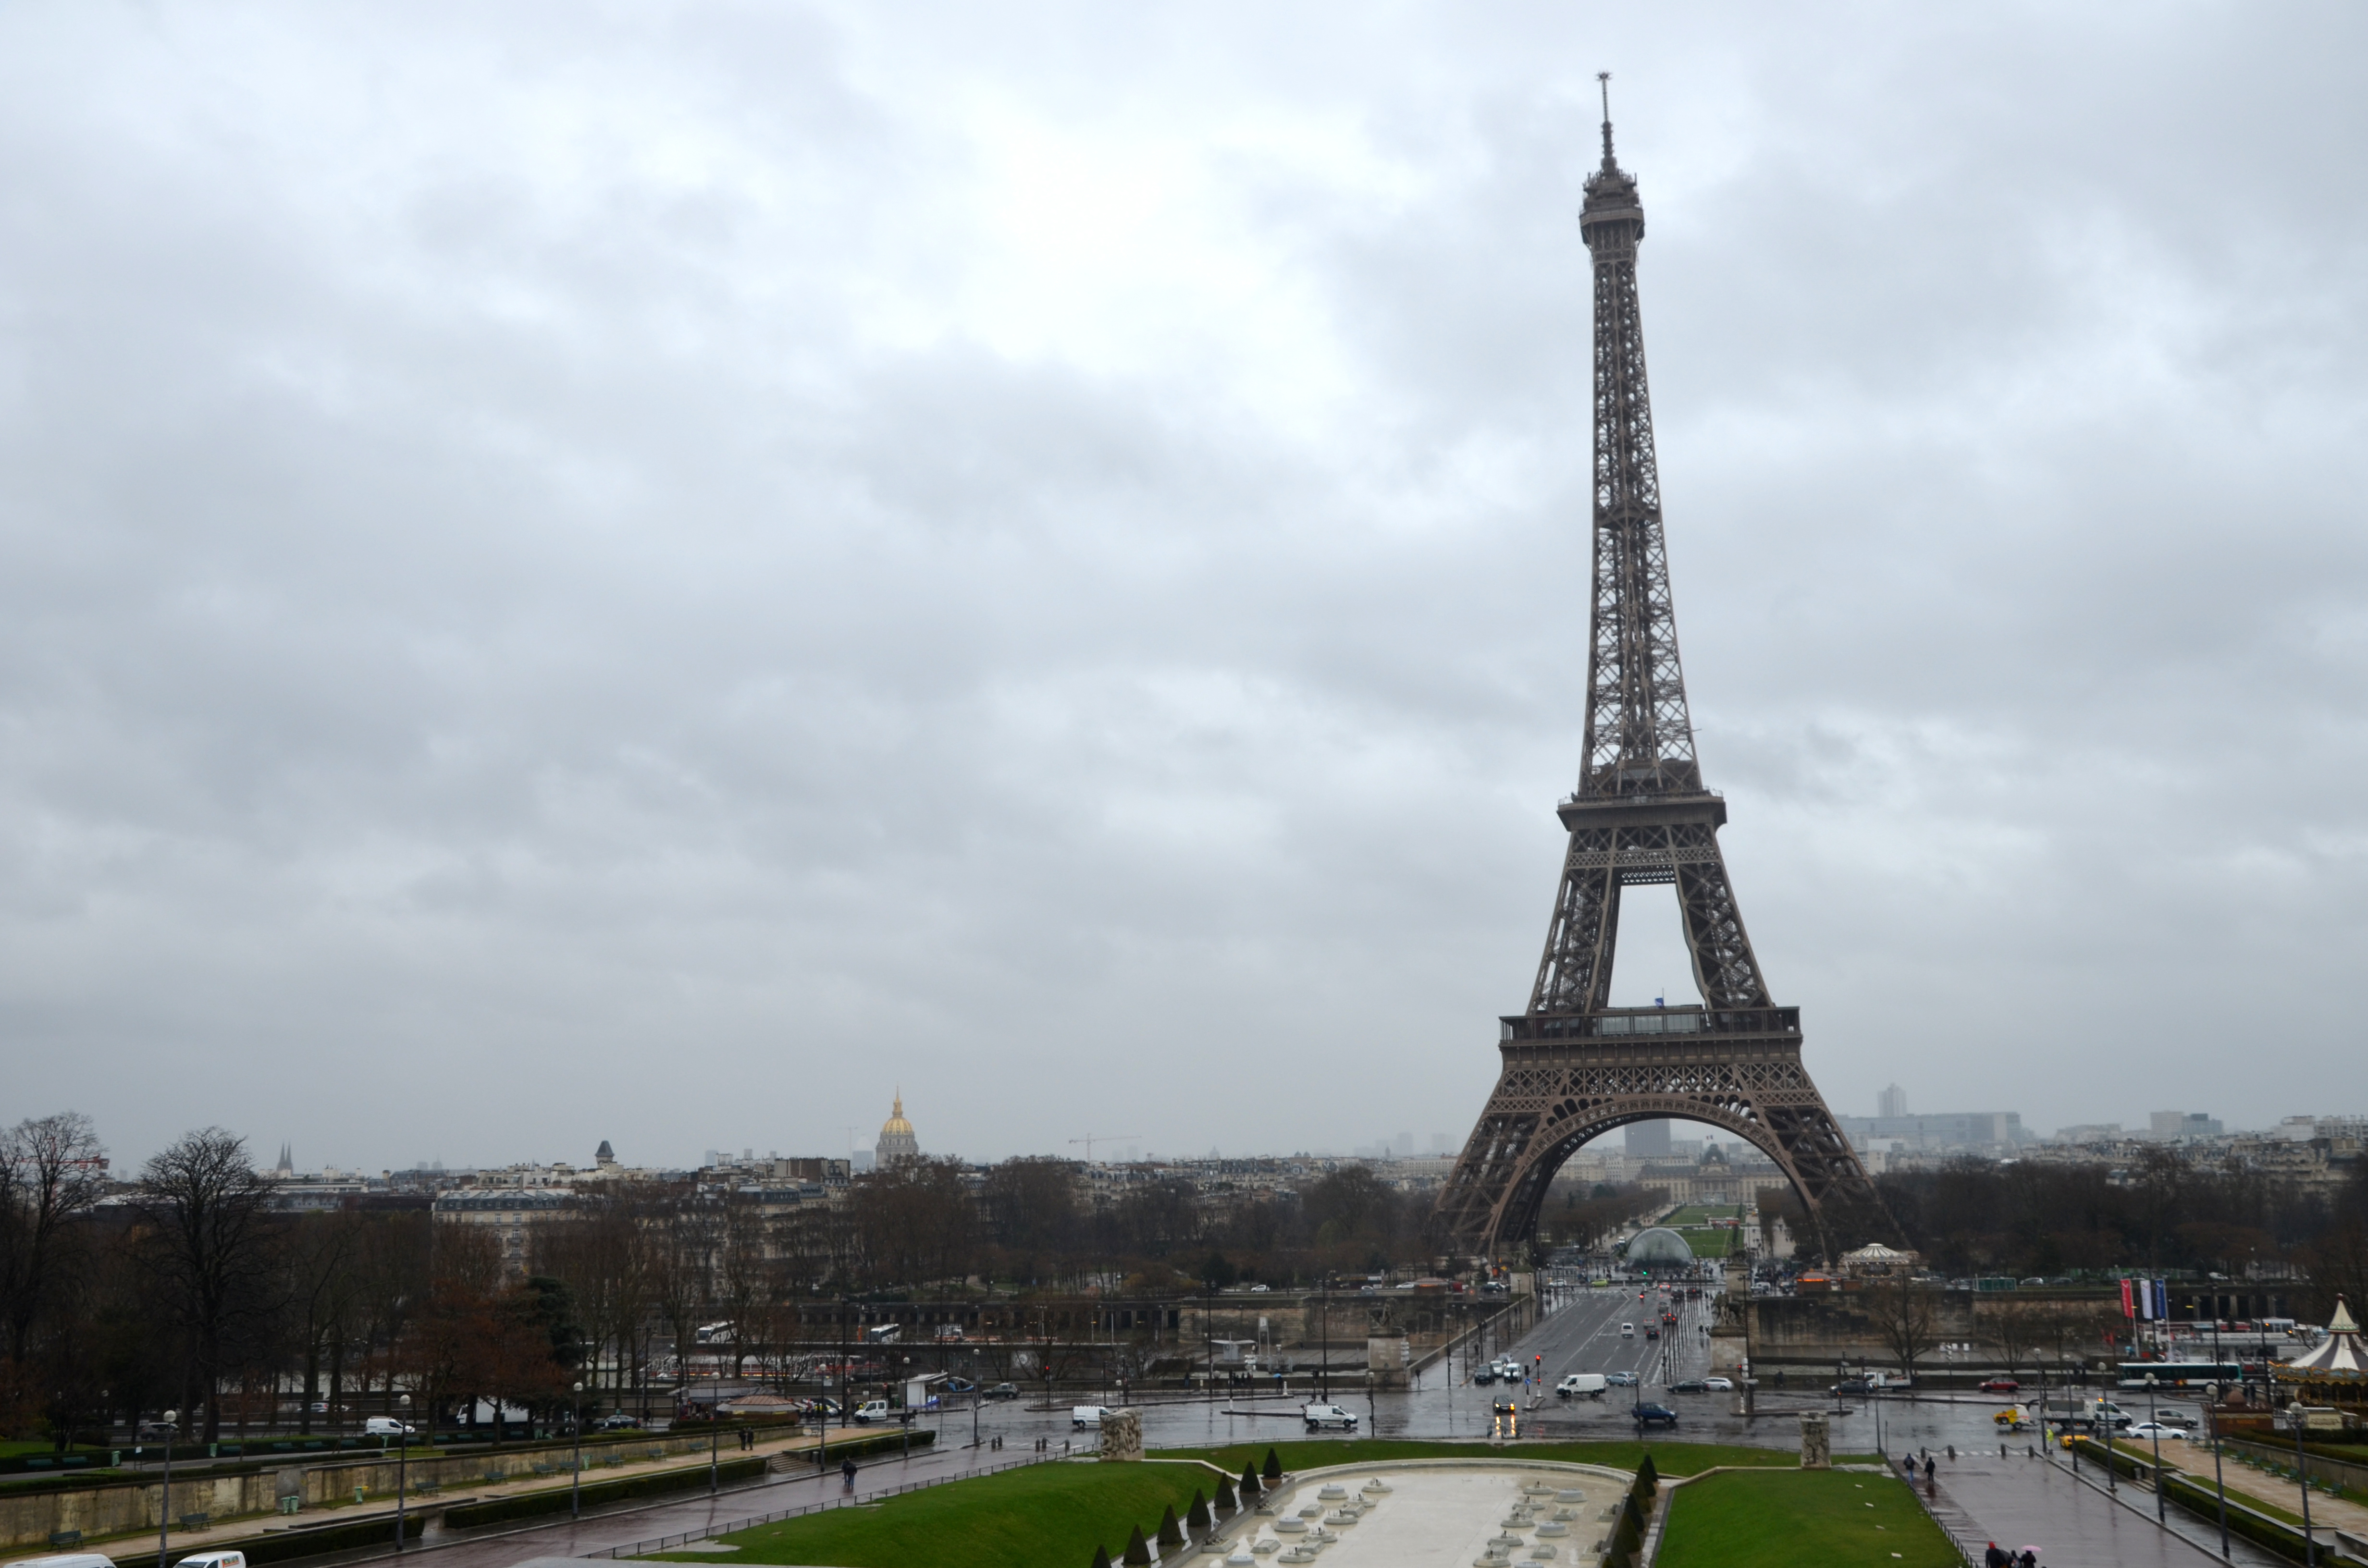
(2335, 1372)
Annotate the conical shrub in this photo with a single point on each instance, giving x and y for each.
(1198, 1516)
(1250, 1487)
(1101, 1557)
(1138, 1550)
(1226, 1502)
(1648, 1480)
(1273, 1470)
(1171, 1534)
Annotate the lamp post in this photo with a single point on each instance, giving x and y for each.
(403, 1458)
(2157, 1434)
(2302, 1477)
(164, 1512)
(575, 1466)
(2220, 1487)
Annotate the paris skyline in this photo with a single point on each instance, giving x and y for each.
(552, 558)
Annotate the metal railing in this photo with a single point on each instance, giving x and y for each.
(666, 1542)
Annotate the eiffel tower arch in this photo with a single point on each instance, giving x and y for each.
(1573, 1066)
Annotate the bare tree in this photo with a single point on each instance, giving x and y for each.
(51, 1171)
(2016, 1329)
(212, 1244)
(1905, 1317)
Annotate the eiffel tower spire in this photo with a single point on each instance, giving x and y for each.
(1575, 1066)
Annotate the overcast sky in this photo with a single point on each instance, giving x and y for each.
(655, 571)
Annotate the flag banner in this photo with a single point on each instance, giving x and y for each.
(2127, 1309)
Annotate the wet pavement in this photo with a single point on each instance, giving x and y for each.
(1996, 1496)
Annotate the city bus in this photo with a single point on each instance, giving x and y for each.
(2178, 1374)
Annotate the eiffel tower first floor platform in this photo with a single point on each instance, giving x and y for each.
(1567, 1078)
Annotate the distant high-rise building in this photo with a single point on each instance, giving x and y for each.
(2173, 1125)
(1648, 1139)
(897, 1140)
(1892, 1102)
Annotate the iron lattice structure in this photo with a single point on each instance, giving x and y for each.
(1576, 1067)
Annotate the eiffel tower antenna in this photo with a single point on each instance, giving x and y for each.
(1575, 1066)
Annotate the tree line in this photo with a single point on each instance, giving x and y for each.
(192, 1288)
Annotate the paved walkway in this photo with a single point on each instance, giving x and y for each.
(2020, 1501)
(2325, 1513)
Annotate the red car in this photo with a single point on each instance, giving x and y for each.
(2001, 1385)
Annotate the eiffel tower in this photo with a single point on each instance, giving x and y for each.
(1575, 1066)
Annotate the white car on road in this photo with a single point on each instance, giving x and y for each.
(2146, 1431)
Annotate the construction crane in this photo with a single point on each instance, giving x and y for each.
(1090, 1139)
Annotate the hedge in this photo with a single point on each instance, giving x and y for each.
(556, 1499)
(283, 1545)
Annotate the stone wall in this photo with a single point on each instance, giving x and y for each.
(30, 1517)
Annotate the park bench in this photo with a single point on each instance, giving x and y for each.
(65, 1537)
(196, 1521)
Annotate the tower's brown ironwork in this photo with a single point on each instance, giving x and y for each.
(1574, 1065)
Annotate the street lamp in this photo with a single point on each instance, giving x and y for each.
(2219, 1485)
(2157, 1434)
(575, 1466)
(403, 1456)
(165, 1514)
(2302, 1477)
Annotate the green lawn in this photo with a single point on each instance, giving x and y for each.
(1046, 1515)
(1711, 1242)
(1669, 1458)
(1807, 1520)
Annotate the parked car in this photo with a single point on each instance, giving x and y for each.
(1655, 1415)
(1082, 1416)
(1620, 1380)
(1319, 1417)
(870, 1410)
(1719, 1385)
(1690, 1385)
(620, 1421)
(1260, 1290)
(2002, 1385)
(2145, 1431)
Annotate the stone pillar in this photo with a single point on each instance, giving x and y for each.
(1817, 1450)
(1122, 1434)
(1386, 1360)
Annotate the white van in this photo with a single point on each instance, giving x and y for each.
(386, 1426)
(1591, 1384)
(65, 1560)
(1627, 1331)
(214, 1560)
(1084, 1415)
(870, 1410)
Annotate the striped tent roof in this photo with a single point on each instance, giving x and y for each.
(2340, 1354)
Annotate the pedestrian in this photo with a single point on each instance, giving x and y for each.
(847, 1474)
(1928, 1470)
(1994, 1558)
(2030, 1558)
